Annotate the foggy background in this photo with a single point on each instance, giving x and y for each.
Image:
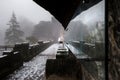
(90, 23)
(36, 21)
(28, 14)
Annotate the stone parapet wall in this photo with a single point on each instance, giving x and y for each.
(12, 60)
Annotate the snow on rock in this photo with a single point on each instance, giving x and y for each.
(51, 50)
(34, 69)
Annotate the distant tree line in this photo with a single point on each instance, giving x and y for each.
(45, 30)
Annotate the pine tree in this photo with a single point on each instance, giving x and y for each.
(13, 33)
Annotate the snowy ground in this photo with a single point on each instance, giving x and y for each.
(34, 69)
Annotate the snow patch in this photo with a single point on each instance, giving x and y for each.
(34, 69)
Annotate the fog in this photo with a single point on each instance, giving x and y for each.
(27, 8)
(22, 8)
(29, 14)
(93, 14)
(85, 23)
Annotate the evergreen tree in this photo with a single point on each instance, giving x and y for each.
(13, 33)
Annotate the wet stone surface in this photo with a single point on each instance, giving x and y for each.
(34, 69)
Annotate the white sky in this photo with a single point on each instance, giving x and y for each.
(30, 10)
(26, 8)
(22, 8)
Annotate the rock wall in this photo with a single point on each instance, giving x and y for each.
(114, 39)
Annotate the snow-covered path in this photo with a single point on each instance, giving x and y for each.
(34, 69)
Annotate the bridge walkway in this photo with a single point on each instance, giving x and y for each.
(35, 69)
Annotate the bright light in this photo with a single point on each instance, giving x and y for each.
(60, 39)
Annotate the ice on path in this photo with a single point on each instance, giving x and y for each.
(34, 69)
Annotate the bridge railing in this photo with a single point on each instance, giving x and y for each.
(22, 52)
(6, 47)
